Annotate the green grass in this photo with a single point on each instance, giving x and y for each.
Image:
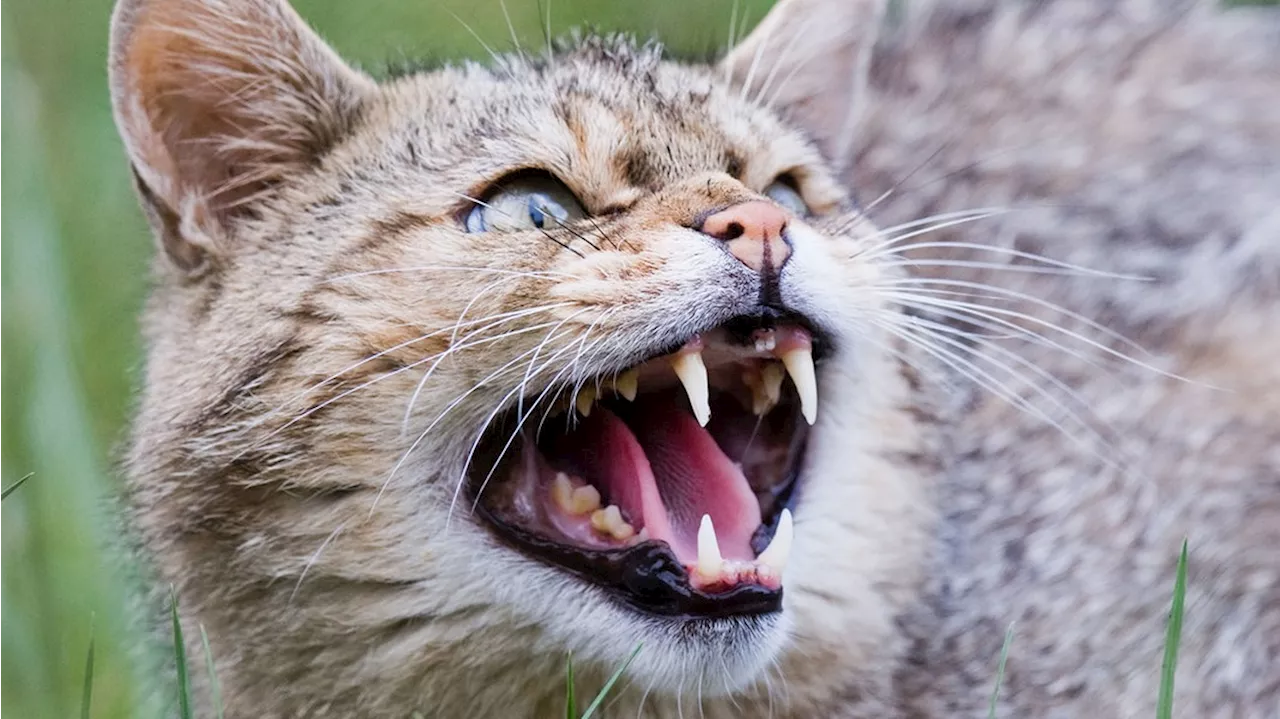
(1173, 638)
(1004, 659)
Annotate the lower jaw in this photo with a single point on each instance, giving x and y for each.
(646, 577)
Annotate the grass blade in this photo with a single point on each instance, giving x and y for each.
(1004, 657)
(1164, 709)
(180, 654)
(86, 697)
(595, 704)
(9, 490)
(215, 691)
(570, 701)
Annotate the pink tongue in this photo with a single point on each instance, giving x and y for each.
(603, 452)
(664, 472)
(696, 478)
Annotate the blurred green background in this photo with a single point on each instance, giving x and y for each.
(74, 269)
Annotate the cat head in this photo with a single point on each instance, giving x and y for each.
(456, 373)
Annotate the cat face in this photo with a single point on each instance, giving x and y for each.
(480, 366)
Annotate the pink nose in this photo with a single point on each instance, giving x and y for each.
(752, 232)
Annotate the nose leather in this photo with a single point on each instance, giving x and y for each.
(752, 232)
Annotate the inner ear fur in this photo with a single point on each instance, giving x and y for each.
(217, 102)
(810, 57)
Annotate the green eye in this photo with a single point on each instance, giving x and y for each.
(783, 192)
(526, 203)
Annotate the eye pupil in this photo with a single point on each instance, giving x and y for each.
(535, 211)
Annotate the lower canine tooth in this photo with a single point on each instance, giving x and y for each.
(710, 562)
(775, 555)
(693, 375)
(799, 364)
(585, 399)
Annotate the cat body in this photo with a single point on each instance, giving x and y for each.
(335, 330)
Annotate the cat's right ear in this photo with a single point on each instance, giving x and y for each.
(218, 101)
(810, 59)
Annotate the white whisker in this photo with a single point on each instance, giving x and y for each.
(1081, 269)
(782, 59)
(547, 274)
(423, 435)
(314, 558)
(928, 341)
(932, 224)
(923, 284)
(453, 349)
(515, 40)
(521, 418)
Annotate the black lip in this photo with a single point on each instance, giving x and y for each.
(646, 577)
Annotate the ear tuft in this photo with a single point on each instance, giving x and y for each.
(217, 102)
(810, 59)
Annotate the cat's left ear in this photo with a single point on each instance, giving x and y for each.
(218, 102)
(810, 58)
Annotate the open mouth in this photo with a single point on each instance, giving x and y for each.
(669, 483)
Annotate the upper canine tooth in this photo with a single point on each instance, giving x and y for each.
(709, 560)
(799, 364)
(585, 399)
(693, 375)
(775, 555)
(627, 384)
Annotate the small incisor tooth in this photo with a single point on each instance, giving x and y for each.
(693, 375)
(799, 364)
(710, 562)
(583, 500)
(585, 399)
(627, 384)
(765, 340)
(775, 555)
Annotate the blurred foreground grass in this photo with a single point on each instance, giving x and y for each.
(75, 255)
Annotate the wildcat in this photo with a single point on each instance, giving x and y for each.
(801, 376)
